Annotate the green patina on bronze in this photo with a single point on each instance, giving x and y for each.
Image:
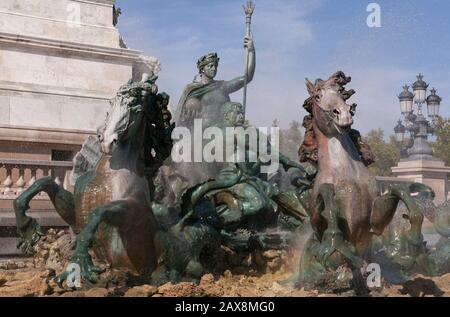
(110, 208)
(119, 206)
(195, 90)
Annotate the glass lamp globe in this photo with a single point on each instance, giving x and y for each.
(420, 89)
(400, 131)
(433, 104)
(406, 100)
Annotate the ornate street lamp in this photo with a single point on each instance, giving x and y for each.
(406, 100)
(418, 127)
(433, 104)
(420, 91)
(400, 132)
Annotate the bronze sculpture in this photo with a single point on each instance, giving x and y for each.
(204, 100)
(131, 223)
(346, 210)
(111, 204)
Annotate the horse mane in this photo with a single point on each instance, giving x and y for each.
(91, 153)
(309, 148)
(86, 159)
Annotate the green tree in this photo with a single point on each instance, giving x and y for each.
(441, 147)
(387, 154)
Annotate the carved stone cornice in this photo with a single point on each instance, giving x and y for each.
(43, 135)
(104, 2)
(31, 42)
(52, 90)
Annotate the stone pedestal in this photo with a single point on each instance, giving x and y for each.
(60, 63)
(427, 170)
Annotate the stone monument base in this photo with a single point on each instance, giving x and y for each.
(429, 171)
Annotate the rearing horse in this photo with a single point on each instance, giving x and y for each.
(111, 205)
(346, 210)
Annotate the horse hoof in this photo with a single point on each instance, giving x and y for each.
(29, 237)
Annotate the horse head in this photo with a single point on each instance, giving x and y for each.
(327, 104)
(126, 115)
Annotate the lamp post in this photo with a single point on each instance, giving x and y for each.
(416, 124)
(417, 163)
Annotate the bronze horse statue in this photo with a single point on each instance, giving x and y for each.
(346, 208)
(111, 205)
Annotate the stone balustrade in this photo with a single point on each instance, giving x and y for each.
(18, 175)
(15, 177)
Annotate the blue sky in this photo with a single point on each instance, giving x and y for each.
(295, 39)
